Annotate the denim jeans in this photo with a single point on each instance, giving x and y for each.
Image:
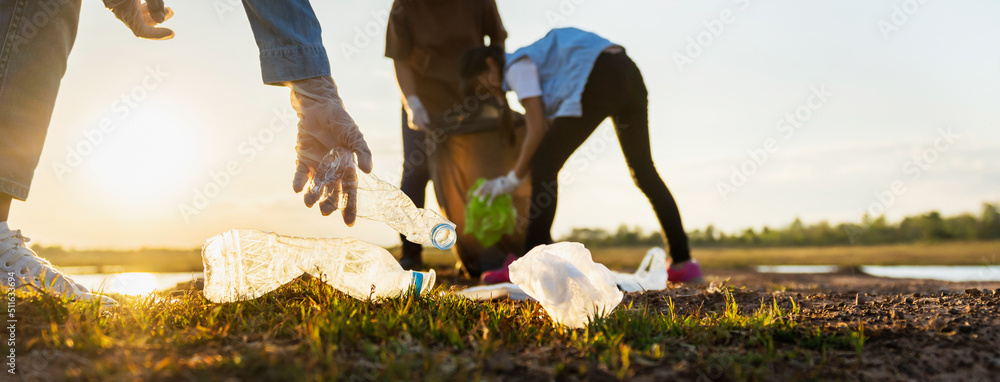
(37, 36)
(289, 38)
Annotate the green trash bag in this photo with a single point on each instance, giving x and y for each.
(488, 223)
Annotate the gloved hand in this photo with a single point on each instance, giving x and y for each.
(492, 188)
(142, 18)
(417, 116)
(324, 125)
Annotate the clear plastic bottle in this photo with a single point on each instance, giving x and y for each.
(651, 275)
(244, 264)
(381, 201)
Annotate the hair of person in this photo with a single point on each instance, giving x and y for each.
(471, 65)
(473, 61)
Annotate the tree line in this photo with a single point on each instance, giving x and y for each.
(928, 227)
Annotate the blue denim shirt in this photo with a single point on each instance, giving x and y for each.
(288, 37)
(564, 58)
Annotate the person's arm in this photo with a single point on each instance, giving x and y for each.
(288, 38)
(398, 46)
(292, 55)
(534, 118)
(416, 114)
(404, 77)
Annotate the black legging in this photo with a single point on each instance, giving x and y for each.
(614, 89)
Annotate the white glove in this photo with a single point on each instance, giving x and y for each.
(498, 186)
(142, 18)
(416, 114)
(324, 125)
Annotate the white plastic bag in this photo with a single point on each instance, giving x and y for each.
(651, 275)
(564, 278)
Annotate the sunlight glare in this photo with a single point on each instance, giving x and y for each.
(147, 159)
(131, 283)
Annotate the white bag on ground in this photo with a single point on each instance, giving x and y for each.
(564, 278)
(651, 275)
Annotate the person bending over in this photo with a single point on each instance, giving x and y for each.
(568, 83)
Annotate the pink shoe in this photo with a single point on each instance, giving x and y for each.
(689, 273)
(501, 275)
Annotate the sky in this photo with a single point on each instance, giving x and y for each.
(760, 112)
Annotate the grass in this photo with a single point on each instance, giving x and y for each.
(952, 253)
(308, 331)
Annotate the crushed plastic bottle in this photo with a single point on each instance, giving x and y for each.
(651, 275)
(564, 278)
(381, 201)
(244, 264)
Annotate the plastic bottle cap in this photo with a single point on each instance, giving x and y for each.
(417, 282)
(443, 236)
(422, 282)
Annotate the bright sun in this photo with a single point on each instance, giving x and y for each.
(147, 157)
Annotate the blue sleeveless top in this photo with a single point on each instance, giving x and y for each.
(564, 58)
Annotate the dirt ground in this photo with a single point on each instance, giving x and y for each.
(915, 329)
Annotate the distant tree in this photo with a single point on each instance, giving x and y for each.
(927, 227)
(627, 237)
(710, 234)
(44, 251)
(962, 227)
(588, 236)
(989, 222)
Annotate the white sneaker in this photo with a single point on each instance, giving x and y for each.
(22, 267)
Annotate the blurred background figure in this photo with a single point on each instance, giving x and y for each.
(441, 138)
(569, 82)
